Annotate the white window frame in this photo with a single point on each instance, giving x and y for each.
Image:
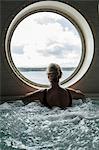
(76, 18)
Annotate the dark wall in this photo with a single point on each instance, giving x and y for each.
(10, 84)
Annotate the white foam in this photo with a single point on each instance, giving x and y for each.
(76, 127)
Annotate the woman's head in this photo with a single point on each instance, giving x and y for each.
(54, 72)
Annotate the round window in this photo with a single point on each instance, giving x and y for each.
(48, 32)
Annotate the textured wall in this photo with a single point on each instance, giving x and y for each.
(10, 84)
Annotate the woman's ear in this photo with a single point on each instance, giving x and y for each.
(48, 75)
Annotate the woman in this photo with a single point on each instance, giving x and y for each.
(55, 95)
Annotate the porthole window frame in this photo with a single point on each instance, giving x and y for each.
(79, 22)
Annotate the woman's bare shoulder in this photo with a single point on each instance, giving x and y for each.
(76, 94)
(34, 95)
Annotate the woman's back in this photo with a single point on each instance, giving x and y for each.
(57, 97)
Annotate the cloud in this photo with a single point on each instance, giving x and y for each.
(44, 18)
(41, 40)
(58, 50)
(18, 49)
(53, 50)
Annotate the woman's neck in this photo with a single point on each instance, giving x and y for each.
(54, 85)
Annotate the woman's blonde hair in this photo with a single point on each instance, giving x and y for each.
(55, 69)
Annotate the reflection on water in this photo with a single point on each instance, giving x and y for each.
(34, 127)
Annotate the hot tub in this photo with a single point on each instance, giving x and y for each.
(35, 127)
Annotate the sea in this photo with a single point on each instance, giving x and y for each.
(40, 77)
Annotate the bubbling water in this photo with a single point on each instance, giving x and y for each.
(35, 127)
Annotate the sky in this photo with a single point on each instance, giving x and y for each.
(43, 38)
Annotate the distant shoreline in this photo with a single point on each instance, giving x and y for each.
(23, 69)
